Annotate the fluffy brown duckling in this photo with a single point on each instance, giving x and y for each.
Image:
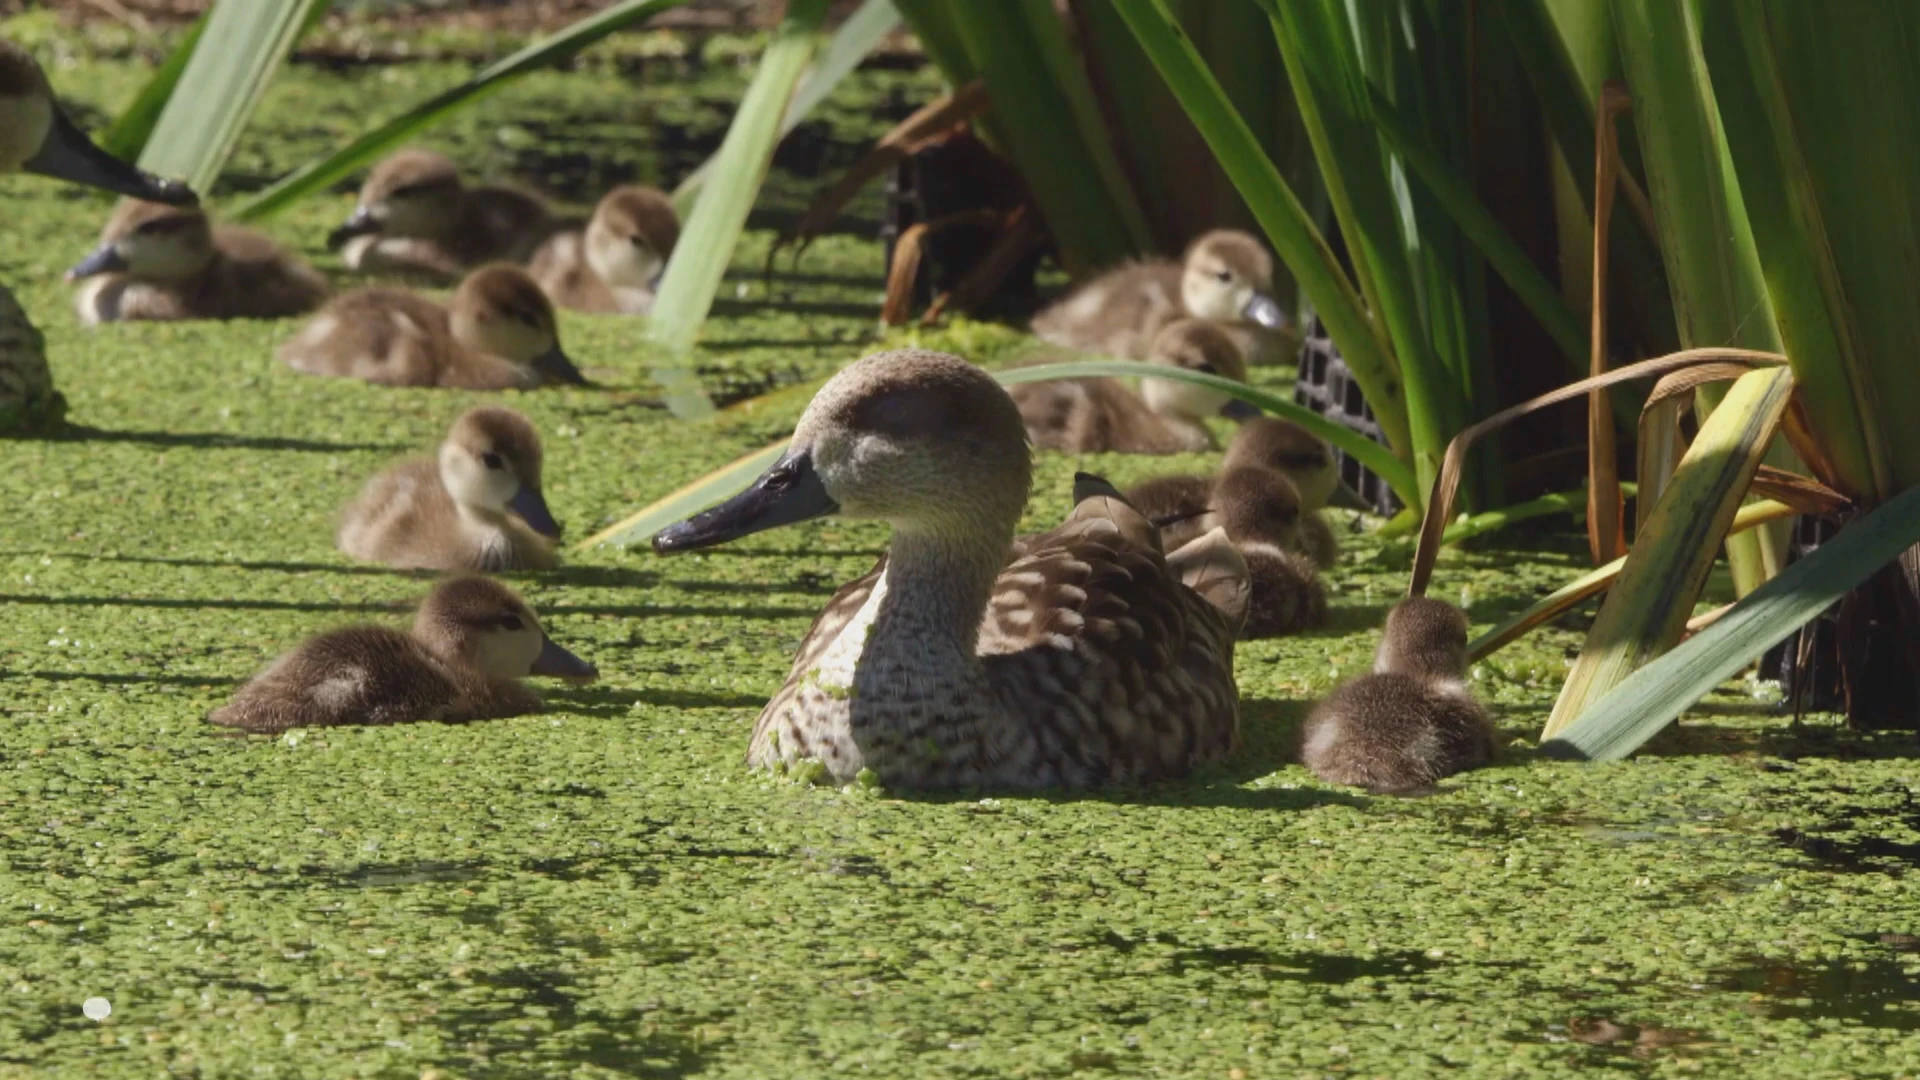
(157, 261)
(1260, 512)
(498, 333)
(415, 215)
(1165, 417)
(37, 136)
(478, 507)
(612, 266)
(1413, 721)
(1308, 463)
(1225, 277)
(472, 641)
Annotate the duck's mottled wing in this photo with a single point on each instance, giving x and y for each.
(833, 618)
(1121, 672)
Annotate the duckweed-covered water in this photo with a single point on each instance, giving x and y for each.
(604, 891)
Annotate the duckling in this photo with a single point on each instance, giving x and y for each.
(499, 333)
(472, 641)
(1175, 504)
(1226, 277)
(1084, 660)
(37, 136)
(1410, 723)
(1166, 417)
(611, 267)
(415, 215)
(1260, 512)
(1307, 462)
(168, 262)
(478, 507)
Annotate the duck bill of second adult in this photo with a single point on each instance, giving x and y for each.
(789, 492)
(67, 154)
(1265, 311)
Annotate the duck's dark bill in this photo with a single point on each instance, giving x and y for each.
(1235, 409)
(561, 664)
(532, 508)
(788, 492)
(360, 223)
(555, 366)
(69, 155)
(104, 260)
(1265, 310)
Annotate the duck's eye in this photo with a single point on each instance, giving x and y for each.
(1224, 275)
(1208, 369)
(492, 460)
(511, 622)
(637, 241)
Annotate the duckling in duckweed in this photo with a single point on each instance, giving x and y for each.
(613, 265)
(415, 215)
(37, 136)
(1413, 721)
(169, 262)
(472, 640)
(1260, 512)
(1084, 660)
(1226, 277)
(498, 333)
(478, 507)
(1090, 416)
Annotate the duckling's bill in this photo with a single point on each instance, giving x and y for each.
(1235, 409)
(1265, 311)
(531, 506)
(359, 223)
(789, 492)
(105, 259)
(554, 364)
(561, 664)
(67, 154)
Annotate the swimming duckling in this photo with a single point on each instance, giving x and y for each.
(611, 267)
(472, 641)
(415, 215)
(168, 262)
(1166, 417)
(1226, 277)
(1083, 661)
(36, 136)
(478, 507)
(1410, 723)
(499, 333)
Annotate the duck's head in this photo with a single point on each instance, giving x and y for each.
(151, 241)
(1426, 639)
(1228, 277)
(1196, 346)
(481, 623)
(498, 309)
(922, 440)
(632, 232)
(36, 136)
(1256, 504)
(412, 193)
(491, 461)
(1287, 448)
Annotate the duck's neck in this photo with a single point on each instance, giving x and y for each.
(937, 586)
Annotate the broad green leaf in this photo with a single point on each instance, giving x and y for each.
(127, 138)
(722, 483)
(1647, 610)
(1363, 344)
(1635, 711)
(849, 45)
(217, 91)
(730, 479)
(700, 259)
(318, 175)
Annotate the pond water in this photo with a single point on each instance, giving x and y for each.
(605, 891)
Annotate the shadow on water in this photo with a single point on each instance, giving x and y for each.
(235, 564)
(215, 440)
(1876, 993)
(1317, 968)
(1859, 842)
(492, 1039)
(611, 703)
(123, 679)
(191, 603)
